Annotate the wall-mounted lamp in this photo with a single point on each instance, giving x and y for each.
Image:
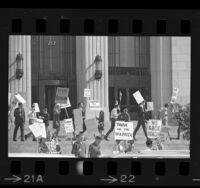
(98, 67)
(19, 62)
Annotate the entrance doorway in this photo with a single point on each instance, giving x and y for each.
(50, 93)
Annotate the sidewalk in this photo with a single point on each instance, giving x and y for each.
(106, 146)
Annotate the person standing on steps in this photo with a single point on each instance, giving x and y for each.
(114, 116)
(19, 115)
(141, 120)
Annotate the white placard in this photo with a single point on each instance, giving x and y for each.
(37, 109)
(20, 98)
(123, 130)
(35, 130)
(66, 105)
(138, 97)
(87, 93)
(38, 129)
(94, 105)
(39, 120)
(68, 125)
(153, 128)
(43, 130)
(78, 120)
(61, 95)
(149, 106)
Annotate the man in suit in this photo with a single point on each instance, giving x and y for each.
(19, 115)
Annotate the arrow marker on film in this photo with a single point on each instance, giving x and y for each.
(111, 180)
(13, 179)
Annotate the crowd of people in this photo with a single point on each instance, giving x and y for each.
(78, 145)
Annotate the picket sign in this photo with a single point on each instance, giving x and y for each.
(20, 98)
(38, 130)
(68, 125)
(153, 128)
(37, 109)
(87, 93)
(78, 120)
(138, 97)
(66, 105)
(123, 130)
(149, 106)
(61, 95)
(94, 105)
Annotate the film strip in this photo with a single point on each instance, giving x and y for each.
(130, 169)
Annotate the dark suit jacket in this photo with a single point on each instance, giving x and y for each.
(19, 116)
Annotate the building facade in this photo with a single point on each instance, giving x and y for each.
(154, 65)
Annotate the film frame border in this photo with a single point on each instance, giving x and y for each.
(103, 22)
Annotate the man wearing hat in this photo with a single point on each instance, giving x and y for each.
(19, 115)
(94, 148)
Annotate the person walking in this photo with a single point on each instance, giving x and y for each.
(32, 119)
(56, 119)
(19, 115)
(114, 115)
(100, 122)
(141, 120)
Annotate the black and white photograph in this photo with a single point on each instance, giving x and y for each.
(99, 96)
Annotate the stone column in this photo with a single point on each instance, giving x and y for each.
(87, 47)
(20, 44)
(161, 71)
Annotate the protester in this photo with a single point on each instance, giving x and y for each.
(56, 119)
(42, 147)
(141, 120)
(165, 115)
(124, 116)
(79, 147)
(101, 122)
(32, 119)
(45, 117)
(154, 144)
(94, 148)
(81, 106)
(114, 115)
(19, 115)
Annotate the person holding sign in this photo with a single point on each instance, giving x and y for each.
(32, 119)
(19, 115)
(56, 119)
(141, 120)
(114, 115)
